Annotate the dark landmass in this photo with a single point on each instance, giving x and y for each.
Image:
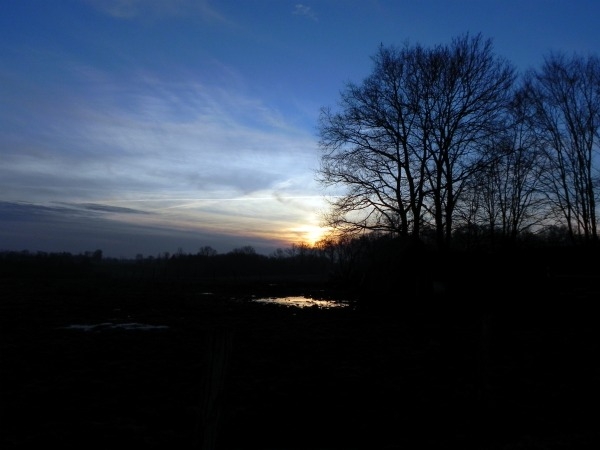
(440, 372)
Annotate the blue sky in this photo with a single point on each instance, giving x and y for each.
(149, 126)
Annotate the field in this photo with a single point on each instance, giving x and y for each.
(184, 365)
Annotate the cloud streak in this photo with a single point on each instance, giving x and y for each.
(156, 9)
(78, 229)
(113, 145)
(305, 11)
(179, 136)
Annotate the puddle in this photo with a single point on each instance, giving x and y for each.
(301, 302)
(113, 326)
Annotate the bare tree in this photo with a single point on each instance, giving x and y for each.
(466, 90)
(207, 251)
(372, 148)
(504, 198)
(345, 255)
(566, 96)
(409, 136)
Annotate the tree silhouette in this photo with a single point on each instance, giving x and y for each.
(565, 99)
(409, 137)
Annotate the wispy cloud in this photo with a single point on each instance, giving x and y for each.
(76, 230)
(111, 209)
(150, 132)
(306, 11)
(164, 153)
(157, 9)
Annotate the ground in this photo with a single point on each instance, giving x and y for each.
(254, 376)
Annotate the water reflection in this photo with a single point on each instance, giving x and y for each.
(132, 326)
(302, 302)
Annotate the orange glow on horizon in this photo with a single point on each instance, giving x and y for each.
(309, 234)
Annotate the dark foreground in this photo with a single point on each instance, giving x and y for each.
(267, 377)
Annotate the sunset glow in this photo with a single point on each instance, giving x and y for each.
(310, 234)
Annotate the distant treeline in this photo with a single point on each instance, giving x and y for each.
(368, 264)
(244, 263)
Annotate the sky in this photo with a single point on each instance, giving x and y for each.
(144, 127)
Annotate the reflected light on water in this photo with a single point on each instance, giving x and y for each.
(301, 302)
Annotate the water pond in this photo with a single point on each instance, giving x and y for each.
(302, 302)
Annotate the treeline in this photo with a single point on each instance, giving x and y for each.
(299, 262)
(374, 266)
(476, 269)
